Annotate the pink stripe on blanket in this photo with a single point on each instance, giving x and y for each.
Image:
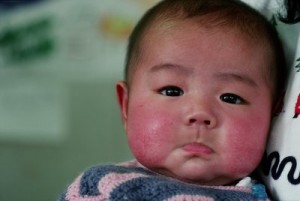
(190, 198)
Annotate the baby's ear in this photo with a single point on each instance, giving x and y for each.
(122, 95)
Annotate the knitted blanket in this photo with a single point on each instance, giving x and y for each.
(135, 183)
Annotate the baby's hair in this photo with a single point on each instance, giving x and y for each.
(211, 13)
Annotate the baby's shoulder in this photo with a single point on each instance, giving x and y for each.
(99, 181)
(111, 175)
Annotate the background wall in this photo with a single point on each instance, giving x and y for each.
(59, 60)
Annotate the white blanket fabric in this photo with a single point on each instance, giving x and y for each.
(282, 162)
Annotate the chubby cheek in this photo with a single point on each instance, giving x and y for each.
(149, 132)
(246, 144)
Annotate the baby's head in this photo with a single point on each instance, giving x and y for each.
(201, 78)
(216, 14)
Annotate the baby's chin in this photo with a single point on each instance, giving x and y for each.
(196, 171)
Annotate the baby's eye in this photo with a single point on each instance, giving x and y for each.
(232, 99)
(171, 91)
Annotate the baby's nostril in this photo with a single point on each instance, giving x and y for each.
(193, 120)
(207, 122)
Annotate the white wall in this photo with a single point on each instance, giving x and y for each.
(58, 111)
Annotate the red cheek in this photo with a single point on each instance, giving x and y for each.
(245, 145)
(149, 136)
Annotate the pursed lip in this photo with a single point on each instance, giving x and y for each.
(198, 149)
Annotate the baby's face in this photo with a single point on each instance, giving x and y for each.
(199, 104)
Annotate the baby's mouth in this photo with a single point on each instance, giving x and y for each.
(198, 149)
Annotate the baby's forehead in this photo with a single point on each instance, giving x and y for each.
(163, 28)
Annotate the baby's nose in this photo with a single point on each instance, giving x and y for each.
(201, 114)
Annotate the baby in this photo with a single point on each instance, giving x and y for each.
(201, 80)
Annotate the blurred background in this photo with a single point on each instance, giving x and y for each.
(59, 61)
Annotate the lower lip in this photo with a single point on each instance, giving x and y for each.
(198, 149)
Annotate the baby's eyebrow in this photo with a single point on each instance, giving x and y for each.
(236, 77)
(171, 67)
